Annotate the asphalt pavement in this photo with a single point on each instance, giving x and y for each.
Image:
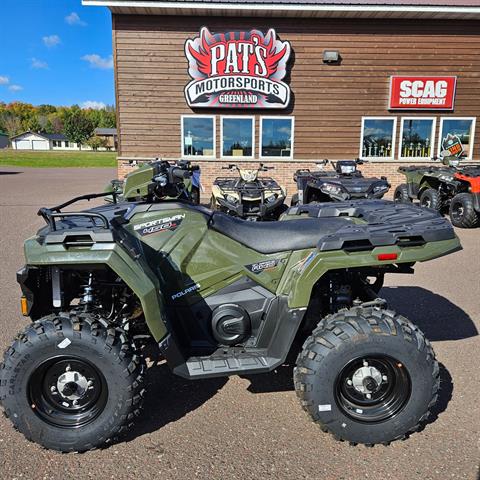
(254, 428)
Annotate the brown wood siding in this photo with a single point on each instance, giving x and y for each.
(328, 101)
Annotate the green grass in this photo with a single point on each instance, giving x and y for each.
(51, 159)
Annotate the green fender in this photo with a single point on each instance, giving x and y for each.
(141, 280)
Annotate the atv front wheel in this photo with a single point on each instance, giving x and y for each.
(430, 198)
(462, 211)
(71, 383)
(401, 194)
(367, 376)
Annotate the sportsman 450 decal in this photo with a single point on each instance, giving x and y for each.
(159, 225)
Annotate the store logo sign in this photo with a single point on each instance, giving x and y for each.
(422, 93)
(237, 70)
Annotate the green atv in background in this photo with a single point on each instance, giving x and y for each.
(144, 182)
(451, 187)
(216, 296)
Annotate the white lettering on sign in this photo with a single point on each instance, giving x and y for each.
(420, 89)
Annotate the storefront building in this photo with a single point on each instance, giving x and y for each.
(290, 83)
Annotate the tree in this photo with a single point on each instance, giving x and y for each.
(77, 127)
(97, 142)
(11, 124)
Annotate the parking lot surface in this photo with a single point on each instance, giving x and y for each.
(254, 428)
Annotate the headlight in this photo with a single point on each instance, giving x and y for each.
(378, 188)
(446, 178)
(330, 188)
(231, 199)
(348, 169)
(271, 198)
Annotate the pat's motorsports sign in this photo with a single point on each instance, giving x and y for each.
(237, 69)
(422, 93)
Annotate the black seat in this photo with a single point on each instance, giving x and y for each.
(271, 237)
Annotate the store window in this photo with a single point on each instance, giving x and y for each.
(67, 144)
(456, 136)
(276, 137)
(198, 136)
(237, 135)
(378, 137)
(417, 137)
(55, 143)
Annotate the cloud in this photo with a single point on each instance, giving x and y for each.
(93, 104)
(4, 80)
(96, 61)
(74, 19)
(51, 40)
(36, 63)
(15, 88)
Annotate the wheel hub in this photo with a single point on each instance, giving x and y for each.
(72, 385)
(367, 379)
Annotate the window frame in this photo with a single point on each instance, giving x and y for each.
(472, 139)
(394, 138)
(260, 134)
(432, 139)
(242, 157)
(182, 140)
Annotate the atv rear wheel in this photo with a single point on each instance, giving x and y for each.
(430, 198)
(462, 211)
(401, 194)
(367, 376)
(71, 383)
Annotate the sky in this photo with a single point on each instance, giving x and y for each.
(55, 52)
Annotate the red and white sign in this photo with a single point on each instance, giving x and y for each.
(422, 93)
(237, 69)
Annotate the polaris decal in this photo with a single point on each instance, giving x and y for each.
(262, 266)
(188, 290)
(160, 225)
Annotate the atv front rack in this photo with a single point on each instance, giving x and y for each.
(52, 214)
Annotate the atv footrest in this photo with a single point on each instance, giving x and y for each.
(227, 362)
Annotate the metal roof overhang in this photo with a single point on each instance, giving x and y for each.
(282, 9)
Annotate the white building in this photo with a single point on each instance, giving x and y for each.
(58, 141)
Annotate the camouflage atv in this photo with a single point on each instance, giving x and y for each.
(248, 195)
(216, 296)
(344, 182)
(449, 187)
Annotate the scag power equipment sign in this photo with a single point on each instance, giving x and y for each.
(422, 93)
(237, 69)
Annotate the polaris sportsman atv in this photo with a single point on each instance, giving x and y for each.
(142, 183)
(450, 187)
(345, 182)
(217, 295)
(249, 196)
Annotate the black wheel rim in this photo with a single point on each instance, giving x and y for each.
(373, 388)
(67, 392)
(426, 202)
(457, 211)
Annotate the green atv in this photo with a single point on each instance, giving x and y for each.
(138, 185)
(448, 187)
(216, 296)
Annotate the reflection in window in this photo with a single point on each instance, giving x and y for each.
(277, 137)
(417, 137)
(237, 137)
(456, 137)
(198, 136)
(378, 137)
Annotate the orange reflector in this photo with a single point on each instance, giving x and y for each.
(24, 306)
(387, 256)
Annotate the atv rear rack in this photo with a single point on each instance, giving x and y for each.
(50, 215)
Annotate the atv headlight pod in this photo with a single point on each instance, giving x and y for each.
(271, 198)
(330, 188)
(231, 199)
(348, 169)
